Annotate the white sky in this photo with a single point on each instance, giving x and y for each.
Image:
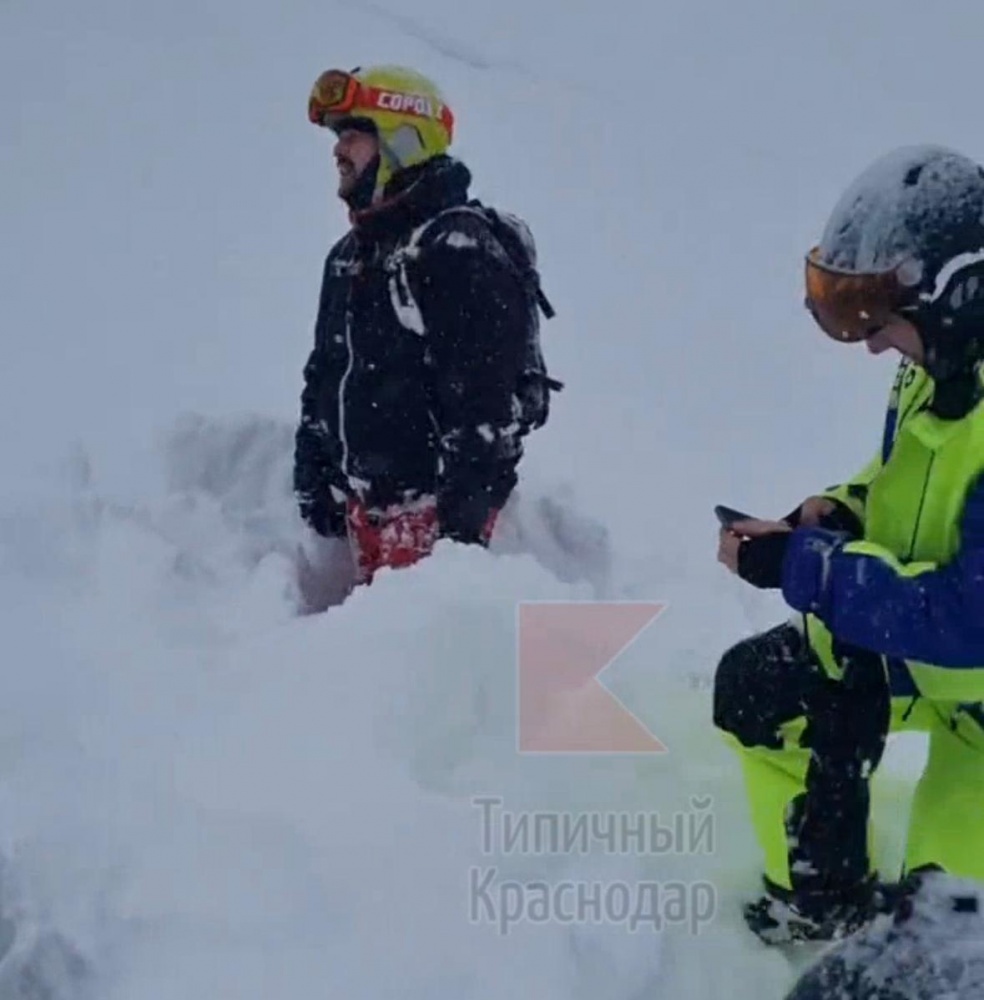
(165, 207)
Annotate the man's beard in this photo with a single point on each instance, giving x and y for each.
(358, 193)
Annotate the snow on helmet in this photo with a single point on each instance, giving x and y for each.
(916, 207)
(407, 111)
(894, 239)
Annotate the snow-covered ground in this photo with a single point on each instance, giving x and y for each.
(203, 794)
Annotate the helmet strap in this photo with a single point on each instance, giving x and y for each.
(956, 396)
(952, 358)
(390, 164)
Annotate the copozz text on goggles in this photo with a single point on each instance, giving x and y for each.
(337, 94)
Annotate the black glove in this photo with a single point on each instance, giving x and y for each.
(323, 514)
(760, 560)
(841, 518)
(469, 521)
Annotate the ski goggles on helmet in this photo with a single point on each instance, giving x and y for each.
(333, 96)
(337, 95)
(851, 306)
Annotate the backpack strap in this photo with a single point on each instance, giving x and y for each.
(504, 235)
(521, 257)
(515, 251)
(510, 240)
(401, 294)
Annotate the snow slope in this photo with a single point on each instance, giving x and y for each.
(202, 794)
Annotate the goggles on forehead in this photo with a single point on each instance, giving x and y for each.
(337, 94)
(850, 306)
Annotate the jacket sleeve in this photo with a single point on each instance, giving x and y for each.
(311, 477)
(476, 313)
(917, 611)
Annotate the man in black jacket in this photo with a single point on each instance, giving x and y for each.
(426, 372)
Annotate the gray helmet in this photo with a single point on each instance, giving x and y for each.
(915, 218)
(917, 207)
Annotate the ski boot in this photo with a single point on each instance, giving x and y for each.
(784, 916)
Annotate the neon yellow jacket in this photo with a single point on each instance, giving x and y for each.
(912, 588)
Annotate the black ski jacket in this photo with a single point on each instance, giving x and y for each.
(419, 346)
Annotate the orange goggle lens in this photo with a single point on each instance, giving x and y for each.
(334, 93)
(850, 306)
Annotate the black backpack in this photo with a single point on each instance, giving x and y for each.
(516, 240)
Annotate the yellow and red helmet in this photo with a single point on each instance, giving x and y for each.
(408, 111)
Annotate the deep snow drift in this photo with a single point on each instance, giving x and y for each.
(203, 792)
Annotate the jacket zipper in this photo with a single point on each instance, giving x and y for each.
(343, 437)
(922, 504)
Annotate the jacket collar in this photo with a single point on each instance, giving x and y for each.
(412, 197)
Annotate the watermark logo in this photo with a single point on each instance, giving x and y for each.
(505, 903)
(563, 651)
(541, 832)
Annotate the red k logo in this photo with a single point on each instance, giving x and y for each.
(564, 705)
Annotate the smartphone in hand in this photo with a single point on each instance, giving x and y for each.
(728, 515)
